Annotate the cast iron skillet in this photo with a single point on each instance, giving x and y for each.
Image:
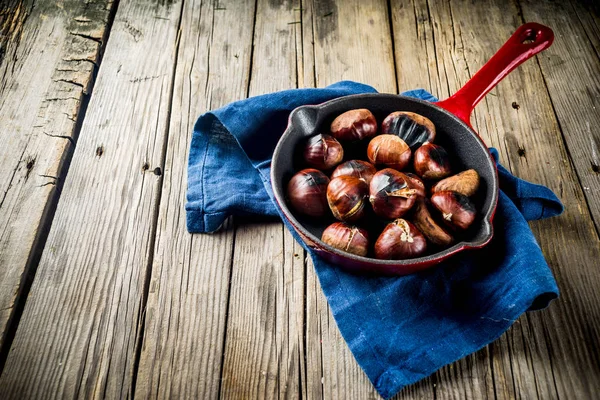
(454, 132)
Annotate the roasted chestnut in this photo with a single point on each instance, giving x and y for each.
(390, 193)
(307, 192)
(390, 151)
(323, 152)
(356, 168)
(416, 183)
(413, 128)
(354, 125)
(432, 162)
(427, 225)
(350, 239)
(347, 196)
(466, 182)
(457, 210)
(400, 240)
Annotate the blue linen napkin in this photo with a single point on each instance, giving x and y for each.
(400, 329)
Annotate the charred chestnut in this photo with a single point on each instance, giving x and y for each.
(400, 240)
(466, 182)
(432, 162)
(416, 183)
(354, 125)
(413, 128)
(323, 152)
(389, 150)
(346, 196)
(356, 168)
(350, 239)
(457, 210)
(390, 193)
(307, 192)
(427, 225)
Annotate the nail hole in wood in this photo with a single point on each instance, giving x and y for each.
(521, 152)
(515, 105)
(157, 171)
(30, 164)
(595, 167)
(99, 151)
(145, 167)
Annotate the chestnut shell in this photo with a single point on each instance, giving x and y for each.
(466, 182)
(323, 152)
(432, 162)
(307, 192)
(347, 196)
(413, 128)
(416, 183)
(356, 168)
(350, 239)
(457, 210)
(428, 226)
(354, 125)
(390, 193)
(400, 240)
(389, 150)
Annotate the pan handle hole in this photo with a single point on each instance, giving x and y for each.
(530, 37)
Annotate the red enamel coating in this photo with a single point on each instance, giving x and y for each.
(528, 40)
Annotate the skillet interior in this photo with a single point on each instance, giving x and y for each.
(467, 150)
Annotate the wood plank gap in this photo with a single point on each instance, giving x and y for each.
(227, 304)
(155, 214)
(252, 51)
(39, 243)
(391, 26)
(548, 342)
(562, 133)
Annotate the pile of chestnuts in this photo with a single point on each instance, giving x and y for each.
(399, 186)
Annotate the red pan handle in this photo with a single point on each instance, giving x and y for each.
(528, 40)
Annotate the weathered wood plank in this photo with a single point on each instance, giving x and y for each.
(340, 53)
(48, 53)
(571, 69)
(264, 348)
(78, 331)
(524, 360)
(184, 330)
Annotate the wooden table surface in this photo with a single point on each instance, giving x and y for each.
(103, 292)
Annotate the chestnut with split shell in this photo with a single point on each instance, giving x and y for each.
(390, 193)
(432, 162)
(307, 192)
(426, 224)
(457, 210)
(323, 152)
(356, 168)
(350, 239)
(466, 182)
(400, 240)
(389, 150)
(354, 125)
(413, 128)
(347, 196)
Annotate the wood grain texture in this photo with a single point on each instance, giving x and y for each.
(78, 331)
(524, 362)
(48, 53)
(184, 330)
(264, 348)
(340, 53)
(571, 70)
